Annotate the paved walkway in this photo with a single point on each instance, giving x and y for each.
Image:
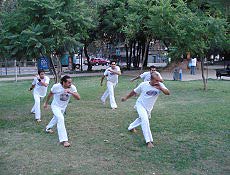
(186, 76)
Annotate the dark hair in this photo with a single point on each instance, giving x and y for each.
(65, 78)
(113, 61)
(152, 67)
(40, 71)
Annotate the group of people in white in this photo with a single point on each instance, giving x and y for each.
(148, 91)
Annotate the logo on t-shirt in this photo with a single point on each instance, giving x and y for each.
(151, 93)
(64, 97)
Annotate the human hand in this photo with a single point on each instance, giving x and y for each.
(157, 85)
(123, 99)
(68, 91)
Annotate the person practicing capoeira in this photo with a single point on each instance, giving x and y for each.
(149, 92)
(39, 87)
(146, 76)
(112, 74)
(61, 93)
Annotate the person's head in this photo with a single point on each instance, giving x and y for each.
(66, 81)
(152, 69)
(155, 78)
(41, 73)
(113, 64)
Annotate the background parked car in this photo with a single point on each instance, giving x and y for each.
(98, 61)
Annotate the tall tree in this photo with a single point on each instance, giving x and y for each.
(44, 27)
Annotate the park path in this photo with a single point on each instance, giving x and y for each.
(167, 75)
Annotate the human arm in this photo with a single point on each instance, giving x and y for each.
(115, 72)
(74, 94)
(133, 79)
(45, 81)
(162, 88)
(47, 100)
(132, 93)
(102, 78)
(32, 87)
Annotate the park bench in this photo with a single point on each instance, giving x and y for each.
(222, 72)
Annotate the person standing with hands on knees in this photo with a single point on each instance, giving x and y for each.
(61, 93)
(39, 87)
(112, 74)
(149, 92)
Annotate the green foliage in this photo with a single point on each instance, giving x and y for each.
(31, 27)
(44, 26)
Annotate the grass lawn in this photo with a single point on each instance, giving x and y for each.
(190, 131)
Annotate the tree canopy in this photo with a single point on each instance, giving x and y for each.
(31, 27)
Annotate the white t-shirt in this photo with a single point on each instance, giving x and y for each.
(148, 95)
(112, 76)
(146, 76)
(39, 89)
(193, 62)
(60, 98)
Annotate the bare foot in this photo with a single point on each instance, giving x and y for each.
(66, 144)
(150, 145)
(133, 130)
(38, 120)
(50, 131)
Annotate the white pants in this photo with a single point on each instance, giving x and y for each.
(36, 108)
(58, 119)
(110, 92)
(142, 120)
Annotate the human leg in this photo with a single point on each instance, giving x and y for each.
(144, 123)
(52, 122)
(104, 96)
(135, 124)
(36, 108)
(193, 70)
(58, 113)
(110, 87)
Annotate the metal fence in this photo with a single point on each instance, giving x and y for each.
(17, 68)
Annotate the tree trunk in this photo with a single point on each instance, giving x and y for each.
(88, 59)
(57, 69)
(145, 56)
(203, 77)
(134, 55)
(138, 54)
(130, 55)
(127, 54)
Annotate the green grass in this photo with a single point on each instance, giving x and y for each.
(190, 130)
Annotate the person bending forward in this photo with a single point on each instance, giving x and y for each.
(149, 92)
